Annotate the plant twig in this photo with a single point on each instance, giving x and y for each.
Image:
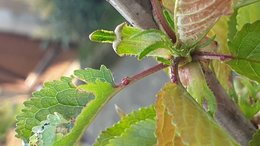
(211, 56)
(228, 114)
(130, 80)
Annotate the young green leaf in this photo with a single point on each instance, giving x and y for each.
(169, 18)
(102, 36)
(151, 48)
(245, 47)
(49, 130)
(256, 139)
(57, 96)
(125, 123)
(132, 42)
(141, 133)
(190, 119)
(128, 40)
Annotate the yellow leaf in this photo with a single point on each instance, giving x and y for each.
(192, 123)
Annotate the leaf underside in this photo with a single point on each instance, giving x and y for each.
(193, 19)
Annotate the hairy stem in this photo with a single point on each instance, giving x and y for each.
(228, 114)
(211, 56)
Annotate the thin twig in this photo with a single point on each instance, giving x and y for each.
(130, 80)
(211, 56)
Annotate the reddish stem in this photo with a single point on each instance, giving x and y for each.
(158, 13)
(130, 80)
(210, 55)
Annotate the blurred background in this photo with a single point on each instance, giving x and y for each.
(45, 39)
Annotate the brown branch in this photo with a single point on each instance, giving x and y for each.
(228, 114)
(136, 12)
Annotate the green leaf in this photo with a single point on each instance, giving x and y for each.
(169, 18)
(164, 61)
(102, 36)
(132, 41)
(247, 93)
(103, 92)
(151, 48)
(124, 124)
(256, 139)
(71, 101)
(191, 74)
(56, 96)
(194, 126)
(242, 16)
(232, 25)
(248, 14)
(128, 40)
(91, 75)
(245, 47)
(242, 3)
(141, 133)
(49, 130)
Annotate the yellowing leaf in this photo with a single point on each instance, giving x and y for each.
(194, 19)
(193, 124)
(165, 130)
